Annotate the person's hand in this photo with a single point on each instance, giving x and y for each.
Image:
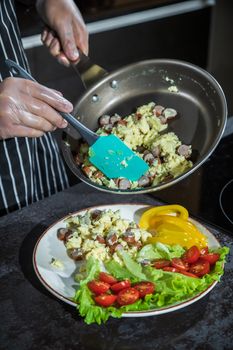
(67, 31)
(27, 109)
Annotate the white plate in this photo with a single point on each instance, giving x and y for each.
(60, 282)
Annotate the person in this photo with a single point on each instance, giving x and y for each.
(31, 166)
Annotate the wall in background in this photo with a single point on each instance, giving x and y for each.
(174, 37)
(221, 49)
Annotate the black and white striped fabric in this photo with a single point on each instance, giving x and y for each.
(30, 169)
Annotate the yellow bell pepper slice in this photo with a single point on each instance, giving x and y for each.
(179, 224)
(167, 234)
(169, 229)
(173, 209)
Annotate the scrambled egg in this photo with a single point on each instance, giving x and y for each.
(58, 264)
(100, 233)
(141, 131)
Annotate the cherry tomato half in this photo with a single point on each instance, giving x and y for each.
(144, 288)
(191, 255)
(211, 257)
(170, 269)
(204, 251)
(179, 264)
(127, 296)
(98, 287)
(106, 277)
(116, 287)
(200, 268)
(161, 263)
(189, 274)
(105, 299)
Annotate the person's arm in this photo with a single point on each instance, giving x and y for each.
(29, 109)
(66, 32)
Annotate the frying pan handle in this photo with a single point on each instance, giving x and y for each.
(89, 72)
(86, 133)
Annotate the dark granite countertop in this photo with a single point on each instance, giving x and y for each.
(31, 318)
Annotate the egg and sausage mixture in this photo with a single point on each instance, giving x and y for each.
(142, 131)
(100, 233)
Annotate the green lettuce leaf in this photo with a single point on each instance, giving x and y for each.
(170, 288)
(91, 312)
(132, 266)
(160, 251)
(118, 271)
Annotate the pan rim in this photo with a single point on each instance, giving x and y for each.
(91, 91)
(168, 61)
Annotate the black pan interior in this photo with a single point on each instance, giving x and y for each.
(200, 103)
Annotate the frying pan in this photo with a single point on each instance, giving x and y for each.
(200, 103)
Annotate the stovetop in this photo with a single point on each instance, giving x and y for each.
(208, 192)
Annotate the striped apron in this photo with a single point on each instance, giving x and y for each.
(30, 168)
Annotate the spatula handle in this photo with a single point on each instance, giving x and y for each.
(86, 133)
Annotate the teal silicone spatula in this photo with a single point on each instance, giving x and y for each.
(107, 153)
(110, 155)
